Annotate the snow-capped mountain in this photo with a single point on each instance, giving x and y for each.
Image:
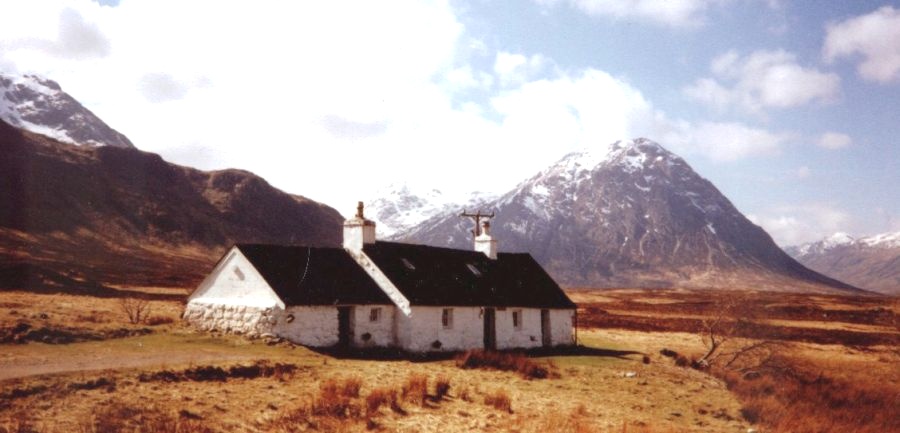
(400, 207)
(871, 262)
(630, 214)
(39, 105)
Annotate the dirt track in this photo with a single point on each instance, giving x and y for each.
(33, 359)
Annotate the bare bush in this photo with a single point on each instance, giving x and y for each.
(137, 310)
(499, 400)
(441, 388)
(415, 390)
(504, 361)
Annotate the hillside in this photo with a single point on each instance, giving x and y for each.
(872, 262)
(631, 215)
(73, 215)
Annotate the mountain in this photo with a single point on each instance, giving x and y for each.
(872, 262)
(87, 216)
(631, 215)
(39, 105)
(400, 207)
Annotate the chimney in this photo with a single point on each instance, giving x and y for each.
(358, 231)
(486, 243)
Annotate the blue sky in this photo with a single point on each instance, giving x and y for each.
(789, 108)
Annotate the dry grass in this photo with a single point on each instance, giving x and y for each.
(802, 398)
(121, 418)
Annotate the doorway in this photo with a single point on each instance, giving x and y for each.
(546, 336)
(345, 334)
(490, 329)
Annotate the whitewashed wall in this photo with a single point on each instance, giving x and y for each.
(381, 333)
(235, 281)
(561, 327)
(315, 326)
(528, 336)
(423, 327)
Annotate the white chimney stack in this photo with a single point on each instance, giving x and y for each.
(358, 231)
(486, 243)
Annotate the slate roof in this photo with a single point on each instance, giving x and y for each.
(313, 276)
(441, 276)
(426, 275)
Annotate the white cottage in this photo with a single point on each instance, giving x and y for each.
(385, 294)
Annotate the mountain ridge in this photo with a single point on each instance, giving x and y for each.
(40, 105)
(631, 214)
(871, 262)
(124, 216)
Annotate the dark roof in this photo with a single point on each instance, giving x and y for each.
(313, 276)
(442, 276)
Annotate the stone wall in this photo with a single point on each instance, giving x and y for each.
(424, 327)
(561, 327)
(315, 326)
(367, 333)
(526, 336)
(238, 319)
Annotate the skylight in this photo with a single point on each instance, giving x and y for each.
(408, 264)
(473, 269)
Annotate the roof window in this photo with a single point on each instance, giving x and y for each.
(473, 269)
(408, 264)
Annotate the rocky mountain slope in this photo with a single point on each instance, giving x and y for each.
(76, 214)
(400, 207)
(631, 215)
(872, 262)
(39, 105)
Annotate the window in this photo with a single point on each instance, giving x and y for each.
(447, 318)
(517, 319)
(238, 273)
(375, 314)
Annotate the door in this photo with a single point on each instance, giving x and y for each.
(546, 336)
(490, 329)
(344, 329)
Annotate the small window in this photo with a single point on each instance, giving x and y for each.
(375, 315)
(473, 269)
(517, 319)
(408, 264)
(238, 273)
(447, 318)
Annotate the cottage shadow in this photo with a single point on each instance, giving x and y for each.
(395, 354)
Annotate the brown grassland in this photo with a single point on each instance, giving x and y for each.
(76, 364)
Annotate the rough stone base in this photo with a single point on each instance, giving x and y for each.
(237, 319)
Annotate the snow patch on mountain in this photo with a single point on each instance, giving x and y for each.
(40, 105)
(400, 206)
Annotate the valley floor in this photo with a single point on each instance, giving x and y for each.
(80, 366)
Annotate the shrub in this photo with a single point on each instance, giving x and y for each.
(159, 320)
(351, 386)
(504, 361)
(415, 390)
(380, 397)
(499, 400)
(441, 387)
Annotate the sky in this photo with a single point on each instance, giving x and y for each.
(792, 109)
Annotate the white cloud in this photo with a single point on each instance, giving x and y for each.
(333, 105)
(516, 69)
(875, 37)
(760, 80)
(676, 13)
(730, 141)
(834, 140)
(797, 224)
